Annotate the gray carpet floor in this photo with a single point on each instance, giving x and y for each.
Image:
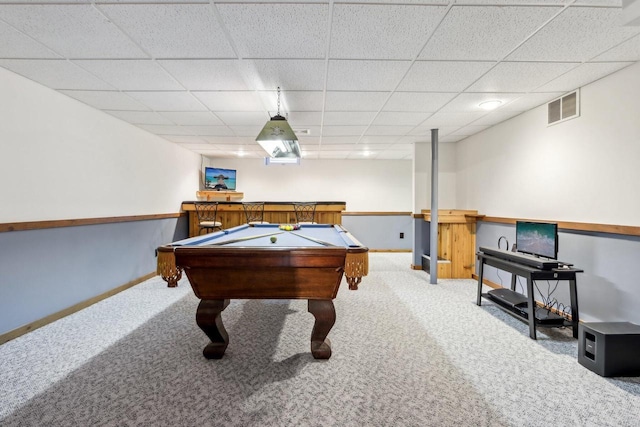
(405, 353)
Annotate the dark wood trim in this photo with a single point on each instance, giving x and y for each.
(376, 213)
(8, 336)
(39, 225)
(626, 230)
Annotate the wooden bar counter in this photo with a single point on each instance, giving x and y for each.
(232, 214)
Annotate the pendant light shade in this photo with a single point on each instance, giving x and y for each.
(277, 138)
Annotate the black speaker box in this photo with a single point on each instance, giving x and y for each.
(610, 349)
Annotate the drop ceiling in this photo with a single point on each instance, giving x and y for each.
(358, 79)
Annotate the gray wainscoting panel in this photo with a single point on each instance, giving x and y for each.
(609, 288)
(45, 271)
(381, 232)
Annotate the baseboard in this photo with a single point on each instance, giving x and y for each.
(8, 336)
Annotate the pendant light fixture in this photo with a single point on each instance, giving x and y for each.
(277, 137)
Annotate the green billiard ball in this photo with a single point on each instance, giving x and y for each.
(273, 239)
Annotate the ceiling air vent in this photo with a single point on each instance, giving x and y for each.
(564, 108)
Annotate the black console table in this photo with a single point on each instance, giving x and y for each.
(531, 274)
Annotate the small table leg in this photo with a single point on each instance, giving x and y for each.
(325, 314)
(575, 317)
(209, 320)
(480, 277)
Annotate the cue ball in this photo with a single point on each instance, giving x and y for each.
(273, 239)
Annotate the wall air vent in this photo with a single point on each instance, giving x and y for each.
(564, 108)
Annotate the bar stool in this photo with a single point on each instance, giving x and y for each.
(254, 212)
(305, 212)
(207, 216)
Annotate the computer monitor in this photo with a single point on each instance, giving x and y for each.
(219, 179)
(537, 238)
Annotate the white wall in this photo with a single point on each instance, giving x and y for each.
(583, 170)
(61, 159)
(366, 185)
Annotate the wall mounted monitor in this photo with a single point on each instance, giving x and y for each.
(219, 179)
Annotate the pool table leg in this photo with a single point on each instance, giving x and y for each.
(209, 320)
(325, 314)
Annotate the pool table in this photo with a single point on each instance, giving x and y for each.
(263, 261)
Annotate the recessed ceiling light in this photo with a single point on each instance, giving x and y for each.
(490, 105)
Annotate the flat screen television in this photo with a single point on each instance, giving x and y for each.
(219, 179)
(537, 238)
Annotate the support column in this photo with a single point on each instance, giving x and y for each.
(433, 243)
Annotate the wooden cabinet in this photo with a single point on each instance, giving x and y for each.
(232, 214)
(456, 242)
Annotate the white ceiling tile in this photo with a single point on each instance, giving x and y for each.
(423, 131)
(626, 51)
(343, 130)
(230, 101)
(167, 129)
(75, 30)
(374, 140)
(365, 75)
(192, 118)
(131, 74)
(172, 30)
(185, 139)
(233, 140)
(519, 76)
(236, 118)
(140, 117)
(308, 141)
(451, 119)
(577, 34)
(484, 33)
(106, 100)
(586, 73)
(495, 117)
(345, 118)
(296, 100)
(339, 155)
(470, 102)
(18, 45)
(418, 101)
(382, 31)
(290, 74)
(529, 101)
(388, 130)
(445, 76)
(304, 118)
(338, 140)
(277, 30)
(452, 138)
(469, 130)
(355, 101)
(207, 74)
(204, 130)
(247, 131)
(168, 101)
(400, 118)
(234, 54)
(55, 73)
(306, 131)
